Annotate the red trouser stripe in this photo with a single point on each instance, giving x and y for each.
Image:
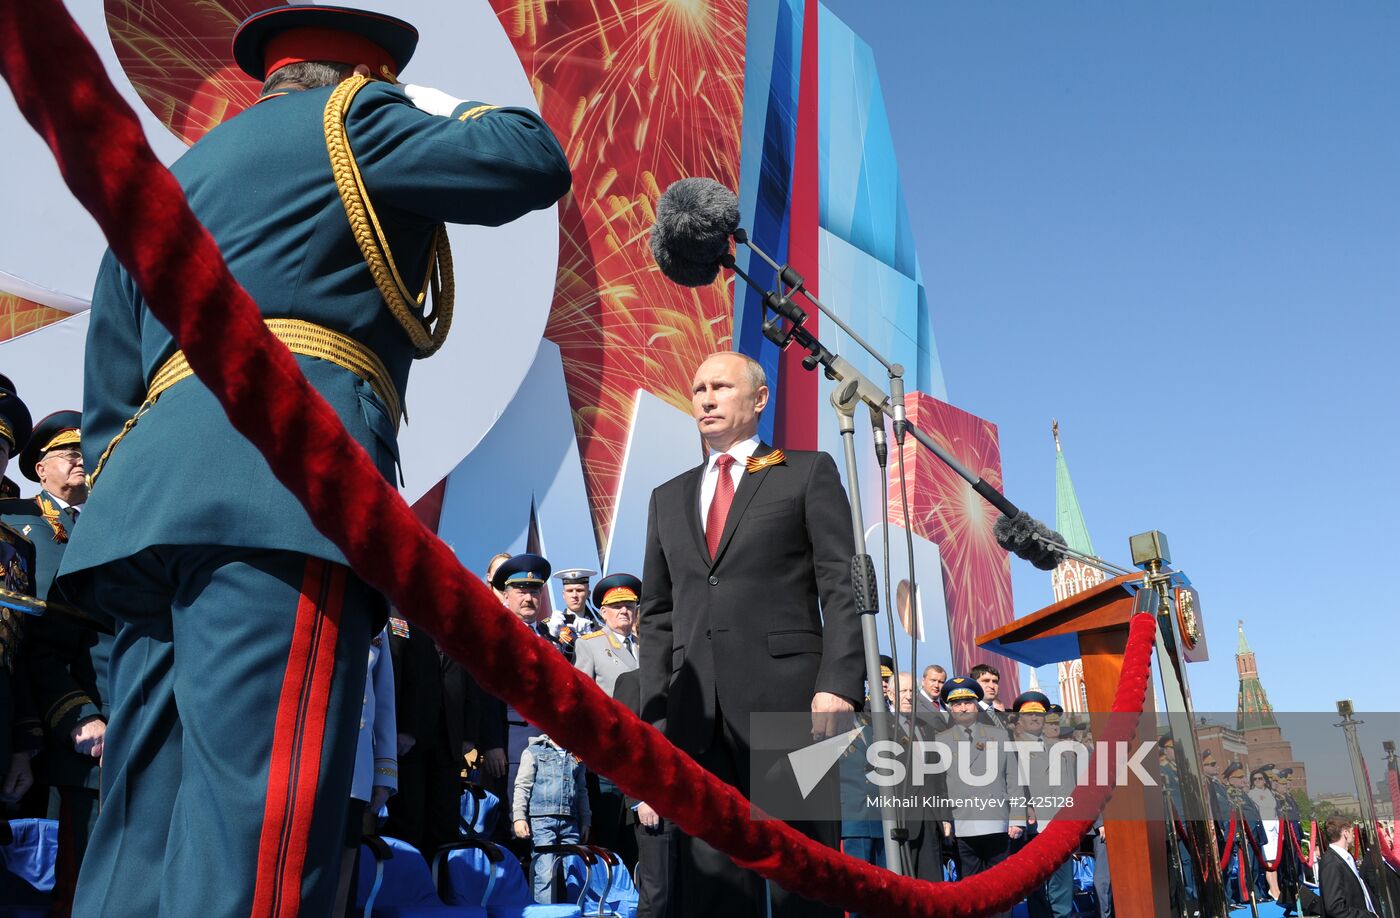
(295, 769)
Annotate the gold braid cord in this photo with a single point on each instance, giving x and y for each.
(426, 332)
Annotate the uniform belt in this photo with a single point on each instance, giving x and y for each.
(309, 340)
(300, 337)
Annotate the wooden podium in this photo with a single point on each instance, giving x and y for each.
(1093, 626)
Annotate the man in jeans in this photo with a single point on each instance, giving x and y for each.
(550, 806)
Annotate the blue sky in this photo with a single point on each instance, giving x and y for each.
(1175, 228)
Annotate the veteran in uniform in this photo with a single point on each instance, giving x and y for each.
(984, 833)
(67, 662)
(611, 651)
(1046, 786)
(20, 735)
(225, 794)
(603, 656)
(521, 580)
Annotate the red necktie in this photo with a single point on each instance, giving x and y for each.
(719, 505)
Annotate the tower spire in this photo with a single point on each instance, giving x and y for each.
(1071, 576)
(1069, 519)
(1253, 709)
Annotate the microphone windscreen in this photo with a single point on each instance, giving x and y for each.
(1018, 535)
(694, 220)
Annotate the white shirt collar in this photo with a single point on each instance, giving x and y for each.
(741, 451)
(62, 504)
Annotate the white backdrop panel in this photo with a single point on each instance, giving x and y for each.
(662, 444)
(530, 454)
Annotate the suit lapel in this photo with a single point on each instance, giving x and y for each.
(749, 483)
(692, 510)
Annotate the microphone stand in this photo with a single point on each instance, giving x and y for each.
(839, 369)
(845, 401)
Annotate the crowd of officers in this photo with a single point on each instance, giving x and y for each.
(1258, 810)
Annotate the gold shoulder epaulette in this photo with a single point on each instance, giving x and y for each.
(590, 635)
(473, 114)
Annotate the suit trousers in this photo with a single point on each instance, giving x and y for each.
(1056, 898)
(713, 884)
(658, 870)
(1103, 884)
(426, 809)
(610, 829)
(75, 808)
(977, 853)
(237, 684)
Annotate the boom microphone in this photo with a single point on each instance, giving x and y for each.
(1028, 537)
(695, 219)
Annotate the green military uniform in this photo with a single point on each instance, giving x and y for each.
(228, 765)
(19, 726)
(67, 662)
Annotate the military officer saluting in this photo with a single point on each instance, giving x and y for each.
(611, 651)
(239, 667)
(67, 661)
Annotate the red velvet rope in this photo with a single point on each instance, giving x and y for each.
(1259, 851)
(1229, 842)
(106, 162)
(1297, 845)
(1389, 845)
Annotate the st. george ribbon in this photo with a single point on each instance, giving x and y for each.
(696, 219)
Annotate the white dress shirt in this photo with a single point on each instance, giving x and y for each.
(1346, 856)
(741, 452)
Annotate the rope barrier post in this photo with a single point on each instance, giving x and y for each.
(845, 400)
(1151, 553)
(1360, 774)
(1246, 843)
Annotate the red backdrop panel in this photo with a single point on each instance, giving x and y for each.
(945, 510)
(640, 94)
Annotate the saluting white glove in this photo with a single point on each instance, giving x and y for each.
(432, 101)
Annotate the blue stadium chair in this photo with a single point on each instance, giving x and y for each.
(29, 848)
(1086, 900)
(479, 810)
(610, 891)
(394, 882)
(484, 874)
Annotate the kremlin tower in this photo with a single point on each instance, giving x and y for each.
(1255, 721)
(1071, 576)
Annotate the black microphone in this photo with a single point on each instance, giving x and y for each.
(695, 219)
(1028, 537)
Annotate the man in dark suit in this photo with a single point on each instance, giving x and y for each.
(746, 608)
(657, 874)
(1344, 894)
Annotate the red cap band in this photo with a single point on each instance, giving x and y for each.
(318, 44)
